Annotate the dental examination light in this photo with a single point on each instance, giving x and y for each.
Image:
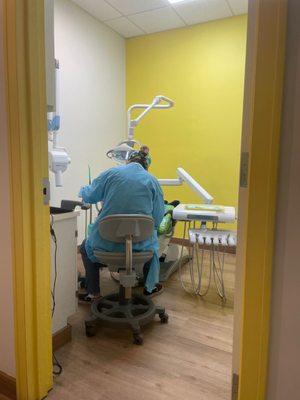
(122, 151)
(58, 157)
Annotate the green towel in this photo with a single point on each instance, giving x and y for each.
(166, 224)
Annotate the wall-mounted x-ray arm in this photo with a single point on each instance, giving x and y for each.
(58, 157)
(183, 176)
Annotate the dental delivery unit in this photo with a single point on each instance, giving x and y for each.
(196, 218)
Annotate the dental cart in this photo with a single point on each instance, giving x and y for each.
(201, 239)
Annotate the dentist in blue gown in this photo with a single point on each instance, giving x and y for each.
(125, 189)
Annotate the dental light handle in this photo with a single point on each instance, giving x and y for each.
(170, 103)
(132, 123)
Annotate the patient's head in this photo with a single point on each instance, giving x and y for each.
(141, 157)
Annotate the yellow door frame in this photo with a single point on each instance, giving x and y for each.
(26, 105)
(26, 101)
(257, 201)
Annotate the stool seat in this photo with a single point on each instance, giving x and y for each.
(115, 261)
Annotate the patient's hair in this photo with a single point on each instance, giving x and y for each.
(140, 157)
(145, 150)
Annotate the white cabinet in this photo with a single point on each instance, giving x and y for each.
(65, 228)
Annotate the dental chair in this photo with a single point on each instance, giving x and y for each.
(125, 310)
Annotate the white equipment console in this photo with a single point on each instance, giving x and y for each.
(204, 212)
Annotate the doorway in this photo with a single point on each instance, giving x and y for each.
(269, 161)
(192, 134)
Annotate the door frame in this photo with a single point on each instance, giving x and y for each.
(264, 78)
(26, 104)
(28, 152)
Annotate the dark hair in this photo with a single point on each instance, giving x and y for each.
(139, 158)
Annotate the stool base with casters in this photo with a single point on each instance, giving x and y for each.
(115, 311)
(125, 310)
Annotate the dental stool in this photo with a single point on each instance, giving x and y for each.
(125, 310)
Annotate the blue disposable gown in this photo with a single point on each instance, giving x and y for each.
(126, 189)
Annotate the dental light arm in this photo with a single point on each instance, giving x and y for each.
(170, 182)
(123, 150)
(185, 177)
(207, 198)
(132, 123)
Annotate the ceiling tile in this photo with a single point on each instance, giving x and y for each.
(124, 27)
(197, 11)
(157, 20)
(100, 9)
(128, 7)
(239, 6)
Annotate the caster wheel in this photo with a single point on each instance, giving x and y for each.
(82, 285)
(164, 318)
(90, 331)
(138, 339)
(82, 282)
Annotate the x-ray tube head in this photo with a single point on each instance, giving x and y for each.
(58, 163)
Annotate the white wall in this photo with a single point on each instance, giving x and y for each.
(284, 382)
(7, 352)
(92, 95)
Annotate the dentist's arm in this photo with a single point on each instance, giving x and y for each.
(158, 205)
(94, 193)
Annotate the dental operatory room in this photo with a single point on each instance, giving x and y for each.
(144, 111)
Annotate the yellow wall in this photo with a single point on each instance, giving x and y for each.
(202, 69)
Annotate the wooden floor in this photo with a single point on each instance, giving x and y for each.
(190, 358)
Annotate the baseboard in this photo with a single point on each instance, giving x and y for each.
(62, 337)
(186, 242)
(8, 386)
